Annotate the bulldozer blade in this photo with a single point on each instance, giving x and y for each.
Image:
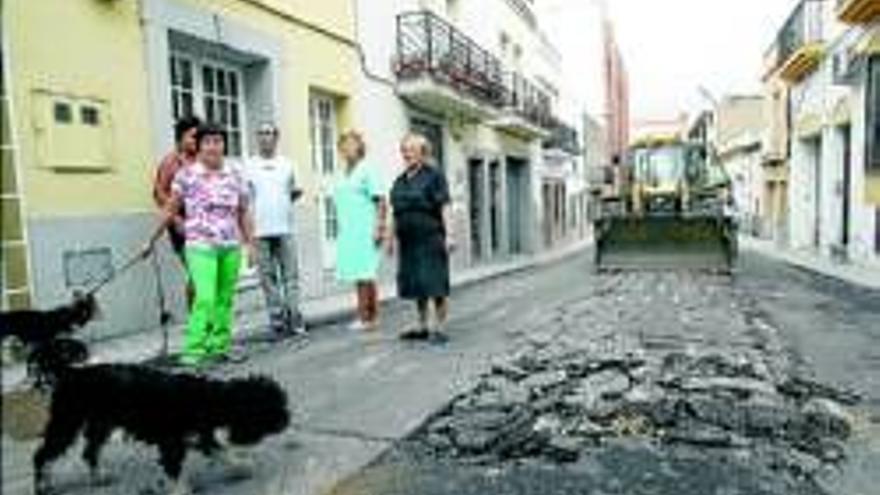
(665, 243)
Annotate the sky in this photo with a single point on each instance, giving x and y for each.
(670, 47)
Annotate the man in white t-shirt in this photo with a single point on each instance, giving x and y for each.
(273, 190)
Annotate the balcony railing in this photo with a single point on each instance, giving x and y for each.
(427, 45)
(802, 27)
(792, 52)
(527, 100)
(563, 137)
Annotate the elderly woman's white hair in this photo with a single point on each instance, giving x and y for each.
(420, 141)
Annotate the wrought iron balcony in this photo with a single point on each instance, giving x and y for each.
(527, 109)
(526, 99)
(443, 69)
(799, 46)
(858, 11)
(563, 138)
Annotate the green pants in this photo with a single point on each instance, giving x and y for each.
(214, 273)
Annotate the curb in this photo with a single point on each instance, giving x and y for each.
(784, 255)
(343, 314)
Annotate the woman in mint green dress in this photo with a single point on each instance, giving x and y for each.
(360, 210)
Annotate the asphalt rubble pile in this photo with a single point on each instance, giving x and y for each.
(559, 399)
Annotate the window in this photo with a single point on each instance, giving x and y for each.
(181, 86)
(88, 115)
(504, 43)
(222, 103)
(63, 113)
(323, 117)
(323, 125)
(212, 90)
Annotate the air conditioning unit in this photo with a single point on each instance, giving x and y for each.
(847, 65)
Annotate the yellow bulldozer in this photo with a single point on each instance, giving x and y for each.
(673, 210)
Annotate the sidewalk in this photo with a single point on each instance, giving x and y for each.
(854, 273)
(145, 345)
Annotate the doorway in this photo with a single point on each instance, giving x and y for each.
(476, 206)
(877, 230)
(547, 208)
(517, 199)
(495, 207)
(845, 135)
(814, 150)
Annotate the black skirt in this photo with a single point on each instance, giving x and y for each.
(418, 202)
(424, 267)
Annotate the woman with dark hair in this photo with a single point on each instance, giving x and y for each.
(421, 205)
(360, 206)
(184, 154)
(217, 223)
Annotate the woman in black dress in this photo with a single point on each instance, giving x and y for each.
(421, 205)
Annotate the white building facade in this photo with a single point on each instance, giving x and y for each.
(470, 75)
(738, 132)
(741, 158)
(827, 53)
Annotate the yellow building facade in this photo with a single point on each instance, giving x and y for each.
(91, 91)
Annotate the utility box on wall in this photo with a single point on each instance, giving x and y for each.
(72, 133)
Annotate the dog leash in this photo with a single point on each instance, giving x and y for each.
(116, 273)
(164, 314)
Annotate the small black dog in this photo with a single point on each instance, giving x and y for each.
(33, 327)
(48, 360)
(35, 330)
(173, 411)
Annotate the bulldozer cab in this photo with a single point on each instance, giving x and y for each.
(661, 167)
(705, 170)
(675, 217)
(661, 173)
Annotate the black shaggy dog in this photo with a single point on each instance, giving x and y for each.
(33, 327)
(173, 411)
(48, 360)
(37, 330)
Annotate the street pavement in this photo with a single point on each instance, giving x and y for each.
(666, 383)
(359, 400)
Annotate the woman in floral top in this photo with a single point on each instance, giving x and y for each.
(217, 223)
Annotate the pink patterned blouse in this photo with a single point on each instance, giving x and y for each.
(212, 201)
